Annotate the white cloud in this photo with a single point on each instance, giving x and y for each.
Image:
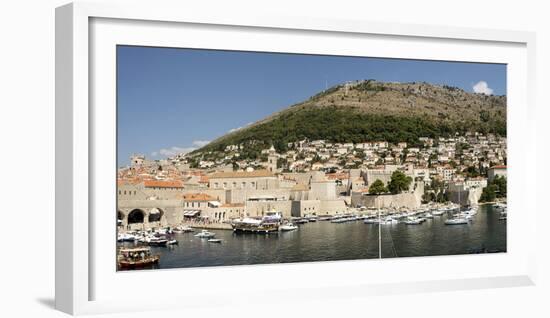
(172, 151)
(201, 143)
(482, 88)
(176, 150)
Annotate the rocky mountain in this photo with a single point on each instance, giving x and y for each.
(370, 110)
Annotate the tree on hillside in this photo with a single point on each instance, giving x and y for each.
(488, 194)
(500, 184)
(377, 187)
(399, 182)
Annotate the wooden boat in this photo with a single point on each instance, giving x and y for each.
(255, 227)
(139, 257)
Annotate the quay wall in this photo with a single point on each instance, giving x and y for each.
(466, 197)
(171, 212)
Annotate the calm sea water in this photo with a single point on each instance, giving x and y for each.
(433, 237)
(325, 241)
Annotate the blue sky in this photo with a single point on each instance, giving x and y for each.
(172, 100)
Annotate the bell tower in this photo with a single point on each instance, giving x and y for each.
(272, 160)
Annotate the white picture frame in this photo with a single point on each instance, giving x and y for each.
(82, 45)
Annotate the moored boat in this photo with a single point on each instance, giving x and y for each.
(139, 257)
(288, 227)
(156, 241)
(172, 242)
(251, 225)
(205, 234)
(456, 221)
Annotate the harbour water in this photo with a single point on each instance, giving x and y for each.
(484, 233)
(326, 241)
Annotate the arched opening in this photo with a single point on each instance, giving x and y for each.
(119, 217)
(136, 216)
(155, 215)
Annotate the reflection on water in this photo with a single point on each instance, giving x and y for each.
(325, 241)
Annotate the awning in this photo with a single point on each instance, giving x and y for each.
(191, 213)
(214, 203)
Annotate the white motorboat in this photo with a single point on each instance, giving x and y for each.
(312, 218)
(413, 221)
(172, 242)
(456, 221)
(428, 215)
(164, 231)
(288, 227)
(214, 241)
(156, 241)
(126, 237)
(371, 221)
(205, 234)
(389, 220)
(183, 229)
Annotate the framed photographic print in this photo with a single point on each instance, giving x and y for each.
(279, 157)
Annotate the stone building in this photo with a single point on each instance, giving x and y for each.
(254, 180)
(496, 171)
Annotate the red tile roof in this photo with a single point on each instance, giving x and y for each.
(197, 197)
(242, 174)
(162, 184)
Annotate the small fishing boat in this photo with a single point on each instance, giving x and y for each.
(139, 257)
(214, 241)
(288, 227)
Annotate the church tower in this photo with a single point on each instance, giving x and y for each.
(272, 160)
